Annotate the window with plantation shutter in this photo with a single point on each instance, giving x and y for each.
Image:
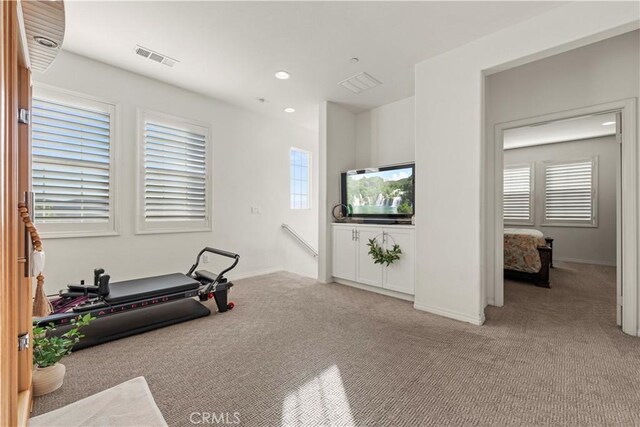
(570, 193)
(518, 195)
(175, 182)
(72, 147)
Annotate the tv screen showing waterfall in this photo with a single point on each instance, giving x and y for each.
(382, 192)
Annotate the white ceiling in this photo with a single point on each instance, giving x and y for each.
(561, 131)
(231, 50)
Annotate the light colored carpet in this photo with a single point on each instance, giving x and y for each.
(295, 352)
(127, 404)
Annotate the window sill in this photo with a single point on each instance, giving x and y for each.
(76, 234)
(555, 224)
(174, 230)
(528, 224)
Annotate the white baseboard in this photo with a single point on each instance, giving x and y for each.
(375, 289)
(584, 261)
(452, 314)
(255, 273)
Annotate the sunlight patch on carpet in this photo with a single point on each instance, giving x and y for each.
(320, 401)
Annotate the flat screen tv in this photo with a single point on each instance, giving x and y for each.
(380, 193)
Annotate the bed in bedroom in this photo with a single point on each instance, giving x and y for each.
(527, 256)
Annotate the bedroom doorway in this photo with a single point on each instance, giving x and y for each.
(564, 181)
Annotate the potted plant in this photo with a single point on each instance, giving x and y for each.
(48, 373)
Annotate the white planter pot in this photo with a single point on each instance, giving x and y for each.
(46, 380)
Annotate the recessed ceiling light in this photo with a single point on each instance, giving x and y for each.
(46, 42)
(289, 110)
(354, 60)
(608, 123)
(282, 75)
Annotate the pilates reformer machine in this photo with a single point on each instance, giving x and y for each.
(134, 306)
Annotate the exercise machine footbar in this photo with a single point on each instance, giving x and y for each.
(133, 306)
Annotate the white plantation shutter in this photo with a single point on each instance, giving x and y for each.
(570, 193)
(175, 174)
(71, 159)
(518, 195)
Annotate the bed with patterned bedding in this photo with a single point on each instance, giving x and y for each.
(527, 255)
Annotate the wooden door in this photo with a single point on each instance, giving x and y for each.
(15, 285)
(8, 220)
(25, 291)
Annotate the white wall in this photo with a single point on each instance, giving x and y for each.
(337, 154)
(386, 135)
(594, 74)
(251, 167)
(582, 244)
(452, 230)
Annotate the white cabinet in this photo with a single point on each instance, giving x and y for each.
(344, 253)
(351, 259)
(366, 271)
(400, 276)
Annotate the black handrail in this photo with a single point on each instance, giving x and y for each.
(220, 252)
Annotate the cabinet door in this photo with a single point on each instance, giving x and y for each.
(400, 275)
(367, 272)
(344, 253)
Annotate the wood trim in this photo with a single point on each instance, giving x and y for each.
(15, 179)
(25, 292)
(23, 53)
(8, 216)
(24, 407)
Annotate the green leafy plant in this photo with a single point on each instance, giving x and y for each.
(48, 349)
(383, 256)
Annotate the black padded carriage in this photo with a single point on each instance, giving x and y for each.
(149, 287)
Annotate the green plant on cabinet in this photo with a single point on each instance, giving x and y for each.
(383, 256)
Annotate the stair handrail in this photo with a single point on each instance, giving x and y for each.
(300, 239)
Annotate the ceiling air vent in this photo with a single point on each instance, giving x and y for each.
(155, 56)
(360, 82)
(142, 52)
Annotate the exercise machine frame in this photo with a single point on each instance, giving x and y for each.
(93, 297)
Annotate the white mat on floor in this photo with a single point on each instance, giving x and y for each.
(127, 404)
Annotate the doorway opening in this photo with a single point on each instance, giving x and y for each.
(565, 199)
